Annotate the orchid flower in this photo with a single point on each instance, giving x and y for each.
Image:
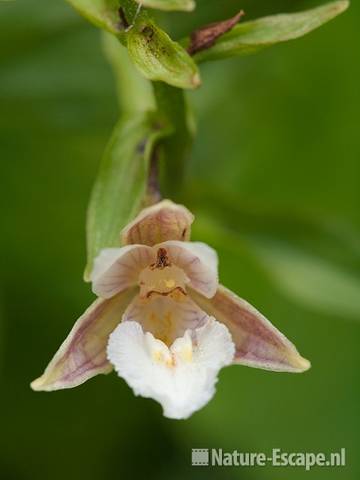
(163, 322)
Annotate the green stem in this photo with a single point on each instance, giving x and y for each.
(172, 106)
(170, 158)
(134, 92)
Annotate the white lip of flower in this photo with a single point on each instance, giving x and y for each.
(163, 321)
(180, 377)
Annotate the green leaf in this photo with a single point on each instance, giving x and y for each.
(121, 184)
(310, 280)
(299, 271)
(160, 58)
(169, 5)
(250, 37)
(102, 13)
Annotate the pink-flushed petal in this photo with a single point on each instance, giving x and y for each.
(163, 221)
(166, 317)
(116, 269)
(198, 261)
(83, 354)
(258, 343)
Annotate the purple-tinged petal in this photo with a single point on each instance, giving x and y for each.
(83, 354)
(258, 343)
(116, 269)
(198, 261)
(158, 223)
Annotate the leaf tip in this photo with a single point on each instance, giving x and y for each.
(87, 273)
(338, 7)
(196, 80)
(190, 6)
(343, 5)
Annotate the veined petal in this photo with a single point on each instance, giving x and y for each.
(258, 343)
(166, 317)
(199, 262)
(83, 353)
(116, 269)
(181, 378)
(158, 223)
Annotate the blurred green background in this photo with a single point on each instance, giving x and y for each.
(274, 180)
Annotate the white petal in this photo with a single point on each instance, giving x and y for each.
(199, 262)
(116, 269)
(166, 317)
(181, 378)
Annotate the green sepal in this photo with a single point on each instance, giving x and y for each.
(159, 58)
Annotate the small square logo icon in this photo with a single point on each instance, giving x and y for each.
(200, 457)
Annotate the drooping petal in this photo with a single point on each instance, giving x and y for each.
(158, 223)
(116, 269)
(181, 378)
(166, 317)
(258, 343)
(83, 354)
(199, 262)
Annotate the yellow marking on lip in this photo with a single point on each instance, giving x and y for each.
(170, 362)
(159, 357)
(187, 354)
